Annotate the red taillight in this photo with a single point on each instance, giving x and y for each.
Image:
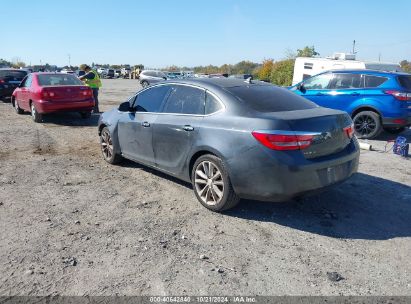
(399, 121)
(402, 96)
(47, 94)
(286, 141)
(2, 81)
(349, 131)
(87, 92)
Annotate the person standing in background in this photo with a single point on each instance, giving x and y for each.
(92, 79)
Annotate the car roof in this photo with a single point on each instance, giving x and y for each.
(366, 71)
(50, 73)
(221, 83)
(12, 69)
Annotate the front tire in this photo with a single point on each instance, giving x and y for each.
(367, 124)
(144, 84)
(37, 117)
(107, 147)
(212, 185)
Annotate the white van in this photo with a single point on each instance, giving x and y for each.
(306, 67)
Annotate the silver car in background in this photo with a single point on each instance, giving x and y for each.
(149, 77)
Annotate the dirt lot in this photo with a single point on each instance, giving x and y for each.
(72, 224)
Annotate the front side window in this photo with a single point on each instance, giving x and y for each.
(346, 81)
(185, 100)
(151, 99)
(319, 82)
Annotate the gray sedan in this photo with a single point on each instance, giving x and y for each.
(232, 139)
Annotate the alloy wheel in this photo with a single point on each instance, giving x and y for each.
(365, 124)
(209, 183)
(106, 144)
(33, 111)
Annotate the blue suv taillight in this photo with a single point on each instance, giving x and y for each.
(402, 96)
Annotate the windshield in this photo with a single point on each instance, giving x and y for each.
(58, 80)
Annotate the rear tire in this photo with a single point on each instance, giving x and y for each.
(212, 185)
(16, 107)
(394, 130)
(367, 124)
(85, 115)
(37, 117)
(108, 147)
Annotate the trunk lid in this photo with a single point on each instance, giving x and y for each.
(67, 93)
(327, 125)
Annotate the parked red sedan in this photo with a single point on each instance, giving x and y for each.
(42, 93)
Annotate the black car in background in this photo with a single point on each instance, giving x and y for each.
(9, 80)
(232, 139)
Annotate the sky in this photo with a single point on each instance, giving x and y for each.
(160, 33)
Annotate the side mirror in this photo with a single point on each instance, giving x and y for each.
(125, 107)
(301, 87)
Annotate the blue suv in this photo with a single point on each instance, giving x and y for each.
(375, 100)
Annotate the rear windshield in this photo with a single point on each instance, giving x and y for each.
(58, 80)
(269, 98)
(15, 75)
(405, 82)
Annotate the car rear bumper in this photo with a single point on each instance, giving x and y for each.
(273, 179)
(6, 92)
(44, 106)
(397, 122)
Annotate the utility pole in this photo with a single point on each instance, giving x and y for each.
(69, 58)
(379, 57)
(353, 47)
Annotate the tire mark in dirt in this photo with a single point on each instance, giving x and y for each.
(43, 144)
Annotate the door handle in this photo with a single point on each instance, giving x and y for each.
(188, 128)
(145, 124)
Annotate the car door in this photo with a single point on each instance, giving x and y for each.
(176, 128)
(135, 127)
(316, 88)
(344, 90)
(23, 97)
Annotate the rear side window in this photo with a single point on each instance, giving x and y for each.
(269, 98)
(28, 82)
(151, 99)
(185, 100)
(405, 82)
(212, 105)
(58, 80)
(13, 75)
(346, 81)
(374, 81)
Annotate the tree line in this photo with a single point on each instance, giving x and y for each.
(277, 72)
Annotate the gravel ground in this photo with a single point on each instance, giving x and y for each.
(73, 225)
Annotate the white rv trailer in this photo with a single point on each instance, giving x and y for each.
(306, 67)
